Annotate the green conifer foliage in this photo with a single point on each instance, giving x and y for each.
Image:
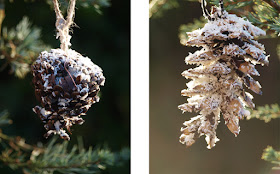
(262, 13)
(20, 45)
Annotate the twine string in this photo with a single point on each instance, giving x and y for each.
(204, 10)
(221, 3)
(63, 27)
(206, 14)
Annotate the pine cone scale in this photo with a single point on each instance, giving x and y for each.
(226, 63)
(66, 87)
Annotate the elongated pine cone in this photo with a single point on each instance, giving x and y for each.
(66, 86)
(226, 61)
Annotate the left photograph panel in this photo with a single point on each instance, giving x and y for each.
(65, 81)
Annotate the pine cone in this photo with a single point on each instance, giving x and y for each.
(226, 61)
(66, 88)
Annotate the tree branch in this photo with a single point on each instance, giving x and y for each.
(273, 4)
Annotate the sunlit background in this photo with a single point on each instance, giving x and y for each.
(231, 155)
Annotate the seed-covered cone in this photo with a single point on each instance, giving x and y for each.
(226, 61)
(66, 86)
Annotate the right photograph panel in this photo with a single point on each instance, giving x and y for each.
(214, 87)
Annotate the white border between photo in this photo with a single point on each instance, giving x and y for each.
(139, 87)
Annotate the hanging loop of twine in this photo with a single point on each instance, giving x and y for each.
(63, 25)
(221, 3)
(206, 14)
(204, 10)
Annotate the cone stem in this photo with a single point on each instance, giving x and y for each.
(204, 10)
(63, 25)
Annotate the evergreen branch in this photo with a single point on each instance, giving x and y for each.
(157, 7)
(272, 156)
(20, 46)
(266, 112)
(56, 158)
(273, 4)
(196, 24)
(4, 120)
(264, 14)
(233, 5)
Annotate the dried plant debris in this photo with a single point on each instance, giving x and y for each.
(226, 61)
(66, 88)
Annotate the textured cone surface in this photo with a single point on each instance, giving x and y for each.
(66, 88)
(226, 63)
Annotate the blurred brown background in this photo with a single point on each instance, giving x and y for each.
(241, 155)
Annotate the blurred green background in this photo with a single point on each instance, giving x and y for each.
(231, 155)
(105, 38)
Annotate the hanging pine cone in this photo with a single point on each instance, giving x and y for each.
(66, 86)
(226, 61)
